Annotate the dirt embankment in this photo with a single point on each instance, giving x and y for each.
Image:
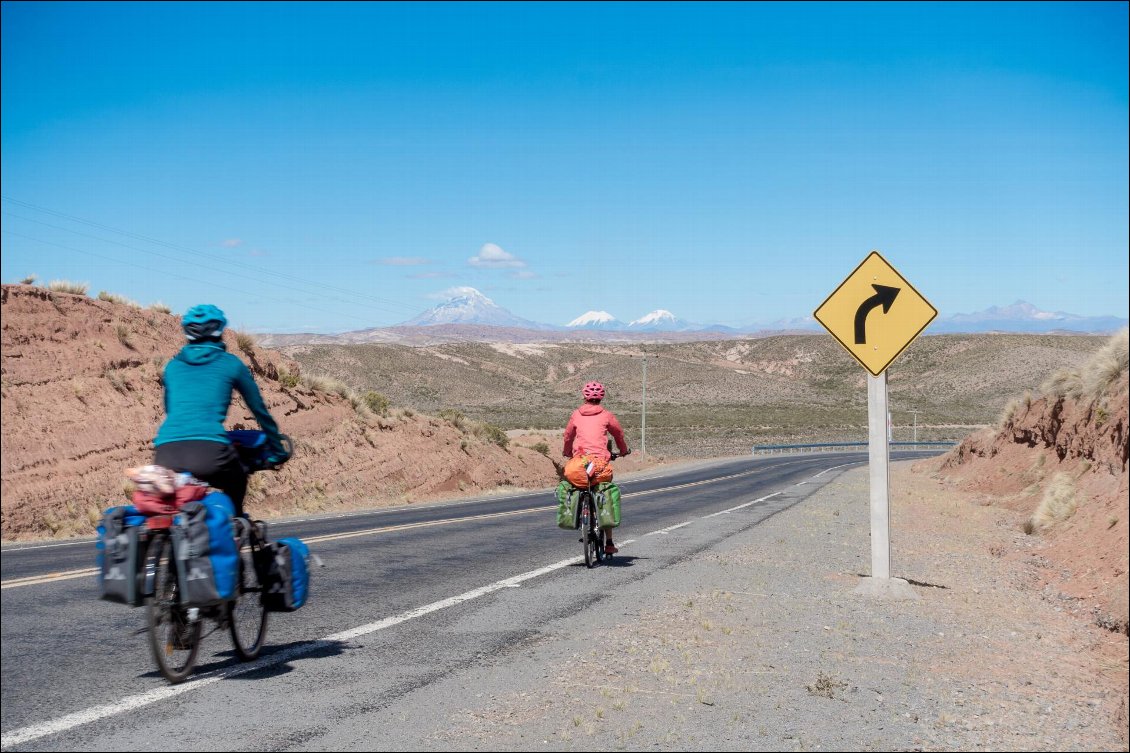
(1060, 460)
(82, 400)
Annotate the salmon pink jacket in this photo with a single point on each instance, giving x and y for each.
(586, 431)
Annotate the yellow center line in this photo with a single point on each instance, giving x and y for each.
(33, 580)
(426, 524)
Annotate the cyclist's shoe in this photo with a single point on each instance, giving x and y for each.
(610, 548)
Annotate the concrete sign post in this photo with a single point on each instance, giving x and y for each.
(878, 461)
(875, 314)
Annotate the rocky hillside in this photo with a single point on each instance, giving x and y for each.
(82, 400)
(711, 398)
(1059, 459)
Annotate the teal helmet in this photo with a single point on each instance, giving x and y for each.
(203, 322)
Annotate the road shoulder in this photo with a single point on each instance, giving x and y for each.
(759, 643)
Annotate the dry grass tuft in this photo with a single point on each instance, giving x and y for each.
(66, 286)
(245, 342)
(1104, 368)
(115, 298)
(160, 308)
(1057, 505)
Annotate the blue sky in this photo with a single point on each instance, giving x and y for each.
(327, 167)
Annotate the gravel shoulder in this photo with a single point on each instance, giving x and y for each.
(759, 643)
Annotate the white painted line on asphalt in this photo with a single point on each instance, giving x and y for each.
(668, 529)
(131, 703)
(744, 505)
(834, 467)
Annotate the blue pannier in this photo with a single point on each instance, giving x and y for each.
(206, 551)
(120, 548)
(286, 574)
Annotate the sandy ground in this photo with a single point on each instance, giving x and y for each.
(760, 643)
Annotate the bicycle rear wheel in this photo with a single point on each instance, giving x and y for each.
(586, 529)
(247, 615)
(173, 639)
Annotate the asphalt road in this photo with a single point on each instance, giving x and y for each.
(76, 672)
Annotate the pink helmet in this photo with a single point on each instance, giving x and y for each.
(593, 391)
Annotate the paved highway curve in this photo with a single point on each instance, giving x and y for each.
(75, 669)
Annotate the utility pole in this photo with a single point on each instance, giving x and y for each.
(643, 408)
(915, 412)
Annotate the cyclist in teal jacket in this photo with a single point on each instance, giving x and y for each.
(199, 382)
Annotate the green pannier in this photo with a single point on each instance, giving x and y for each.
(608, 504)
(568, 509)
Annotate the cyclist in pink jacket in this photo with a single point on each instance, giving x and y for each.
(586, 434)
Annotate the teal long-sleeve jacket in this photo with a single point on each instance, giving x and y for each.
(199, 382)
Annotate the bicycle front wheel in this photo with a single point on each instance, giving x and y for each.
(174, 639)
(247, 615)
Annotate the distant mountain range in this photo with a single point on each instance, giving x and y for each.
(1024, 317)
(469, 315)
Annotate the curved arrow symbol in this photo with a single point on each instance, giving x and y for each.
(884, 296)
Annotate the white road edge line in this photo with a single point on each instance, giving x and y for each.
(744, 505)
(130, 703)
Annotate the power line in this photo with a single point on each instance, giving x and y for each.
(161, 271)
(281, 275)
(171, 258)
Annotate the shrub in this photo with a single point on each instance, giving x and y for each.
(376, 402)
(66, 286)
(123, 335)
(326, 384)
(493, 433)
(1057, 505)
(287, 379)
(1064, 382)
(161, 308)
(245, 342)
(1009, 411)
(1105, 366)
(541, 447)
(29, 280)
(454, 417)
(115, 298)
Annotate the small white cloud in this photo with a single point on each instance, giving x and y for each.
(491, 256)
(232, 243)
(403, 261)
(257, 252)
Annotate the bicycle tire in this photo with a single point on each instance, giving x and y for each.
(586, 528)
(247, 614)
(173, 641)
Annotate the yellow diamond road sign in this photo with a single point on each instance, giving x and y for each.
(875, 313)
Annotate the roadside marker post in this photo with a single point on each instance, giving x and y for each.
(875, 314)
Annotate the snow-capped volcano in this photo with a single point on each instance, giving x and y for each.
(660, 320)
(595, 320)
(468, 306)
